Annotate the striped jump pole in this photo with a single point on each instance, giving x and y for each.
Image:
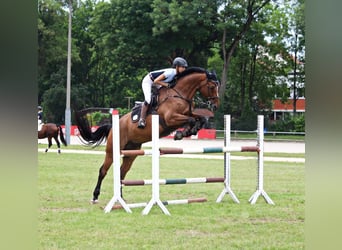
(169, 202)
(208, 150)
(173, 181)
(116, 164)
(134, 152)
(260, 179)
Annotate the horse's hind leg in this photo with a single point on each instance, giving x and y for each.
(127, 161)
(102, 174)
(58, 145)
(126, 165)
(49, 144)
(97, 189)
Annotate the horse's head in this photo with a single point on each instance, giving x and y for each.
(210, 90)
(195, 79)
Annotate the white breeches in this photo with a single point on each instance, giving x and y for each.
(147, 88)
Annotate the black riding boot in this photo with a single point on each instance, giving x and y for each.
(142, 120)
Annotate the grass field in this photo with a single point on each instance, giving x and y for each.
(66, 220)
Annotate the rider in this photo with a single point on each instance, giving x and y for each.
(159, 78)
(40, 116)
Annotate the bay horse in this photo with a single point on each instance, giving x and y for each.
(49, 131)
(175, 107)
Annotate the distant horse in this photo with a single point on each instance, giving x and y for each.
(175, 107)
(49, 131)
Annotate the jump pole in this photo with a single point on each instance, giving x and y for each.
(204, 150)
(155, 169)
(227, 189)
(173, 181)
(260, 179)
(116, 165)
(168, 202)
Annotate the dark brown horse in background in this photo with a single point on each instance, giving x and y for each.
(49, 131)
(175, 107)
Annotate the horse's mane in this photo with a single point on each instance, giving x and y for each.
(211, 75)
(190, 70)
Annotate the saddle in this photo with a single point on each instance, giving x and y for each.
(136, 110)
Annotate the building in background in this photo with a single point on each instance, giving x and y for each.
(282, 110)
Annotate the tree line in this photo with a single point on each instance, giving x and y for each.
(249, 43)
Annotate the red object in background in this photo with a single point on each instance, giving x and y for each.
(202, 134)
(74, 129)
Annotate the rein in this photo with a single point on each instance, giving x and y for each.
(177, 96)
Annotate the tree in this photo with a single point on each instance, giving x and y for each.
(52, 44)
(52, 55)
(258, 67)
(189, 27)
(116, 43)
(297, 48)
(236, 18)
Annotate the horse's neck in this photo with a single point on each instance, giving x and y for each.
(188, 85)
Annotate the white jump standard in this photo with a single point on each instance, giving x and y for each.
(155, 169)
(259, 149)
(116, 165)
(260, 187)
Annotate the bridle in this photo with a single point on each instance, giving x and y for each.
(210, 79)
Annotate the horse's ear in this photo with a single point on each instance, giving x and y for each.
(212, 75)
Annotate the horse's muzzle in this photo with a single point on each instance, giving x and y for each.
(212, 106)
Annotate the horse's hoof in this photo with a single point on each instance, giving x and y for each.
(94, 202)
(178, 136)
(193, 132)
(46, 150)
(59, 151)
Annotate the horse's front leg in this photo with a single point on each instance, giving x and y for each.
(192, 128)
(200, 123)
(187, 131)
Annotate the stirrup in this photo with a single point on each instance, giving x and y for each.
(141, 123)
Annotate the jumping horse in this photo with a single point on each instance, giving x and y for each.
(49, 131)
(175, 107)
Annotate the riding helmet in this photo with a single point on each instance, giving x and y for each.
(179, 61)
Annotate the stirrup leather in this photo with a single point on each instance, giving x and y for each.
(141, 123)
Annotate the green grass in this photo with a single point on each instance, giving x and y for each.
(66, 220)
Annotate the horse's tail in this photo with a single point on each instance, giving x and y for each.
(91, 138)
(61, 135)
